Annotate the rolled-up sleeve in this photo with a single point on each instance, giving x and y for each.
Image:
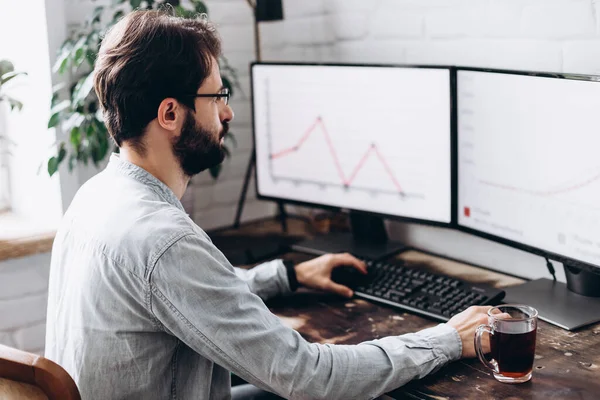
(198, 297)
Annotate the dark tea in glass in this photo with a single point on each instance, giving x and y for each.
(512, 330)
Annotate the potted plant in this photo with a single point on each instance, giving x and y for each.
(7, 74)
(77, 111)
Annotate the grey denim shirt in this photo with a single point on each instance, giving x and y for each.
(142, 305)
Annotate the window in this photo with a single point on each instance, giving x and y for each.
(25, 189)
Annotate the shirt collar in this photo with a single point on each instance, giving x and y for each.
(126, 168)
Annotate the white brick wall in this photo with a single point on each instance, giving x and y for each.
(23, 300)
(558, 35)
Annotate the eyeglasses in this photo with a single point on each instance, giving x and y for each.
(223, 94)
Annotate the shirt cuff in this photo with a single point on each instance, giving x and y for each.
(291, 274)
(445, 341)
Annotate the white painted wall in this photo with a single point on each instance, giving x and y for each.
(557, 35)
(23, 300)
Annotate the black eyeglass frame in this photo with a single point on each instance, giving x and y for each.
(224, 93)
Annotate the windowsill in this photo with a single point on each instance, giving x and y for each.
(20, 238)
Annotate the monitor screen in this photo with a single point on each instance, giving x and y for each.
(528, 165)
(367, 138)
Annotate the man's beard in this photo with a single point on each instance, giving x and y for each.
(196, 148)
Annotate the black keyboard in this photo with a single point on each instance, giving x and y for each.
(413, 289)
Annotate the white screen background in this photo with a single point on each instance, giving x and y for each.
(366, 138)
(528, 167)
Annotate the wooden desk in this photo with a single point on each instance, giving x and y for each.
(567, 364)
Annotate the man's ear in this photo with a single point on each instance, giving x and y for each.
(170, 115)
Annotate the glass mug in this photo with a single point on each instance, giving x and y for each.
(512, 342)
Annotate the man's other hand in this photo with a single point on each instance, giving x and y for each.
(466, 323)
(316, 273)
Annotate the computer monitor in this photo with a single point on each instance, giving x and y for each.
(372, 139)
(529, 177)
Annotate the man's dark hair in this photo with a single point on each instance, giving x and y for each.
(146, 57)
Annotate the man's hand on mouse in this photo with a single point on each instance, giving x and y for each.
(316, 273)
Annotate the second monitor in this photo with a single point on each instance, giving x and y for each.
(370, 139)
(529, 177)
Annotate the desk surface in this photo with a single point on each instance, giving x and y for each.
(567, 364)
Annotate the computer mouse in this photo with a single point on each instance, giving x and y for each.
(349, 276)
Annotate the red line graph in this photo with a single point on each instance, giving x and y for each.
(346, 180)
(550, 192)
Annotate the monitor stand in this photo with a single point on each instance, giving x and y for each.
(368, 239)
(569, 306)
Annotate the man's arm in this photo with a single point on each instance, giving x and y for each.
(266, 280)
(198, 297)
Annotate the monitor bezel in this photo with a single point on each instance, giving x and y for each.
(453, 164)
(499, 239)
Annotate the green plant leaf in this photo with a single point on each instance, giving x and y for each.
(227, 84)
(215, 171)
(6, 67)
(135, 3)
(75, 136)
(84, 155)
(81, 42)
(62, 61)
(79, 57)
(90, 131)
(90, 57)
(117, 2)
(117, 16)
(61, 154)
(75, 119)
(100, 126)
(103, 145)
(227, 152)
(185, 13)
(83, 89)
(63, 105)
(4, 78)
(58, 87)
(14, 104)
(99, 116)
(96, 15)
(99, 151)
(80, 52)
(227, 69)
(92, 37)
(72, 161)
(52, 165)
(200, 7)
(55, 98)
(54, 120)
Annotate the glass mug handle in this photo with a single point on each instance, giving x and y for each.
(478, 333)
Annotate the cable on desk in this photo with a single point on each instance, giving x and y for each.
(550, 268)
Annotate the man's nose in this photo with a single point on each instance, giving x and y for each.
(228, 114)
